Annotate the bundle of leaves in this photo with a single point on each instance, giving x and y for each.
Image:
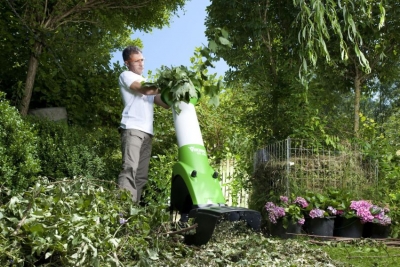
(76, 223)
(181, 84)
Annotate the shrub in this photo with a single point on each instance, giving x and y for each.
(19, 162)
(158, 188)
(68, 151)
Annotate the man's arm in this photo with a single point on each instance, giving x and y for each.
(137, 87)
(159, 102)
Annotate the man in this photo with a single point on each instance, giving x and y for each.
(136, 124)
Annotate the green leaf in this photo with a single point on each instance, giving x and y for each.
(224, 41)
(153, 255)
(48, 254)
(36, 228)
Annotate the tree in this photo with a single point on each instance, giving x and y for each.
(274, 41)
(265, 64)
(374, 57)
(39, 23)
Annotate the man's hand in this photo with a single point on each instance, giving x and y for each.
(149, 90)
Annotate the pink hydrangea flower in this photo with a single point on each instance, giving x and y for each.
(284, 199)
(274, 212)
(316, 213)
(301, 202)
(332, 210)
(363, 210)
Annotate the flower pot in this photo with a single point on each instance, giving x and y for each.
(380, 231)
(375, 230)
(278, 230)
(320, 226)
(348, 227)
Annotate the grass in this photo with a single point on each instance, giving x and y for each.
(363, 253)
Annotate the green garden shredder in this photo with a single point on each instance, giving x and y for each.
(195, 187)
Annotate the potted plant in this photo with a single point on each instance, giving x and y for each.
(286, 215)
(320, 214)
(381, 222)
(360, 213)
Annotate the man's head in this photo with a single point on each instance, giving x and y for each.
(133, 59)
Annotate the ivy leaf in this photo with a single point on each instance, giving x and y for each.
(153, 255)
(48, 254)
(36, 228)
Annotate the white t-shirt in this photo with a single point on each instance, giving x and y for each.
(138, 109)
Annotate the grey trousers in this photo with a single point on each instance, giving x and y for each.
(136, 152)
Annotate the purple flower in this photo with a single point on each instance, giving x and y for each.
(385, 220)
(274, 212)
(301, 202)
(380, 216)
(332, 210)
(316, 213)
(339, 212)
(122, 221)
(284, 199)
(269, 206)
(363, 210)
(301, 221)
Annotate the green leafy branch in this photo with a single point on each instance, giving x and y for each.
(181, 84)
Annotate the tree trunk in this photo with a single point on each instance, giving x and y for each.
(30, 78)
(357, 97)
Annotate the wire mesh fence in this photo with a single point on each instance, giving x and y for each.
(298, 165)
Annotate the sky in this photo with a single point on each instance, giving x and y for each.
(174, 45)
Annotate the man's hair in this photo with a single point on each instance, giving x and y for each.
(126, 54)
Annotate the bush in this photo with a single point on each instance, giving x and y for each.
(19, 162)
(158, 188)
(68, 151)
(77, 223)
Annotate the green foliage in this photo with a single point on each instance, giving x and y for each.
(19, 162)
(314, 131)
(361, 253)
(73, 41)
(181, 84)
(81, 223)
(76, 223)
(68, 151)
(319, 201)
(177, 84)
(319, 21)
(157, 189)
(394, 202)
(383, 147)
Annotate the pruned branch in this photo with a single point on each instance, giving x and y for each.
(183, 230)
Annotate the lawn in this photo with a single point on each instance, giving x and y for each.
(364, 253)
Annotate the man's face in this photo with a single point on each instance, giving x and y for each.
(136, 63)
